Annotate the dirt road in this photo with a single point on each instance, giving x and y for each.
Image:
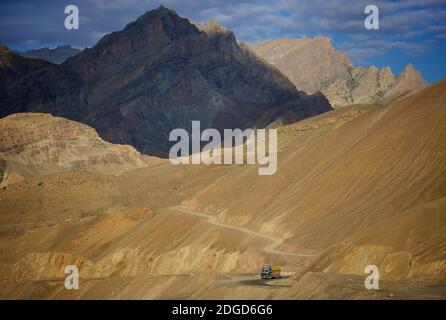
(271, 248)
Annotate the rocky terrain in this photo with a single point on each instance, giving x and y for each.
(56, 55)
(355, 186)
(313, 64)
(34, 144)
(159, 73)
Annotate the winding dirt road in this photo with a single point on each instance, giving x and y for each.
(271, 248)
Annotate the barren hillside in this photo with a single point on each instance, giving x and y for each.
(34, 144)
(356, 186)
(314, 64)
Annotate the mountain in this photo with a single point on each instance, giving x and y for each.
(37, 85)
(307, 62)
(56, 55)
(35, 144)
(159, 73)
(313, 64)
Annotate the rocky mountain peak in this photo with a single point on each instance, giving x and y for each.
(386, 70)
(307, 62)
(142, 40)
(409, 68)
(54, 55)
(410, 73)
(159, 73)
(220, 36)
(213, 28)
(322, 41)
(163, 19)
(148, 16)
(314, 64)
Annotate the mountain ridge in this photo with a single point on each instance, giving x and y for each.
(314, 64)
(56, 55)
(159, 73)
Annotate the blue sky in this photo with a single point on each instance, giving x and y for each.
(411, 31)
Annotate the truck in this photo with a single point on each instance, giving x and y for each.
(270, 272)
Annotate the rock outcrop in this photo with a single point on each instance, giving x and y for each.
(307, 62)
(313, 64)
(35, 144)
(373, 86)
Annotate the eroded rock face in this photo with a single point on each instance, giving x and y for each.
(373, 86)
(35, 144)
(313, 64)
(159, 73)
(307, 62)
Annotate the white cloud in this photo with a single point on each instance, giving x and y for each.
(409, 23)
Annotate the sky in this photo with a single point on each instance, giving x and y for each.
(410, 31)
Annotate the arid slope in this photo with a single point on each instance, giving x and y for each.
(347, 181)
(35, 144)
(356, 186)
